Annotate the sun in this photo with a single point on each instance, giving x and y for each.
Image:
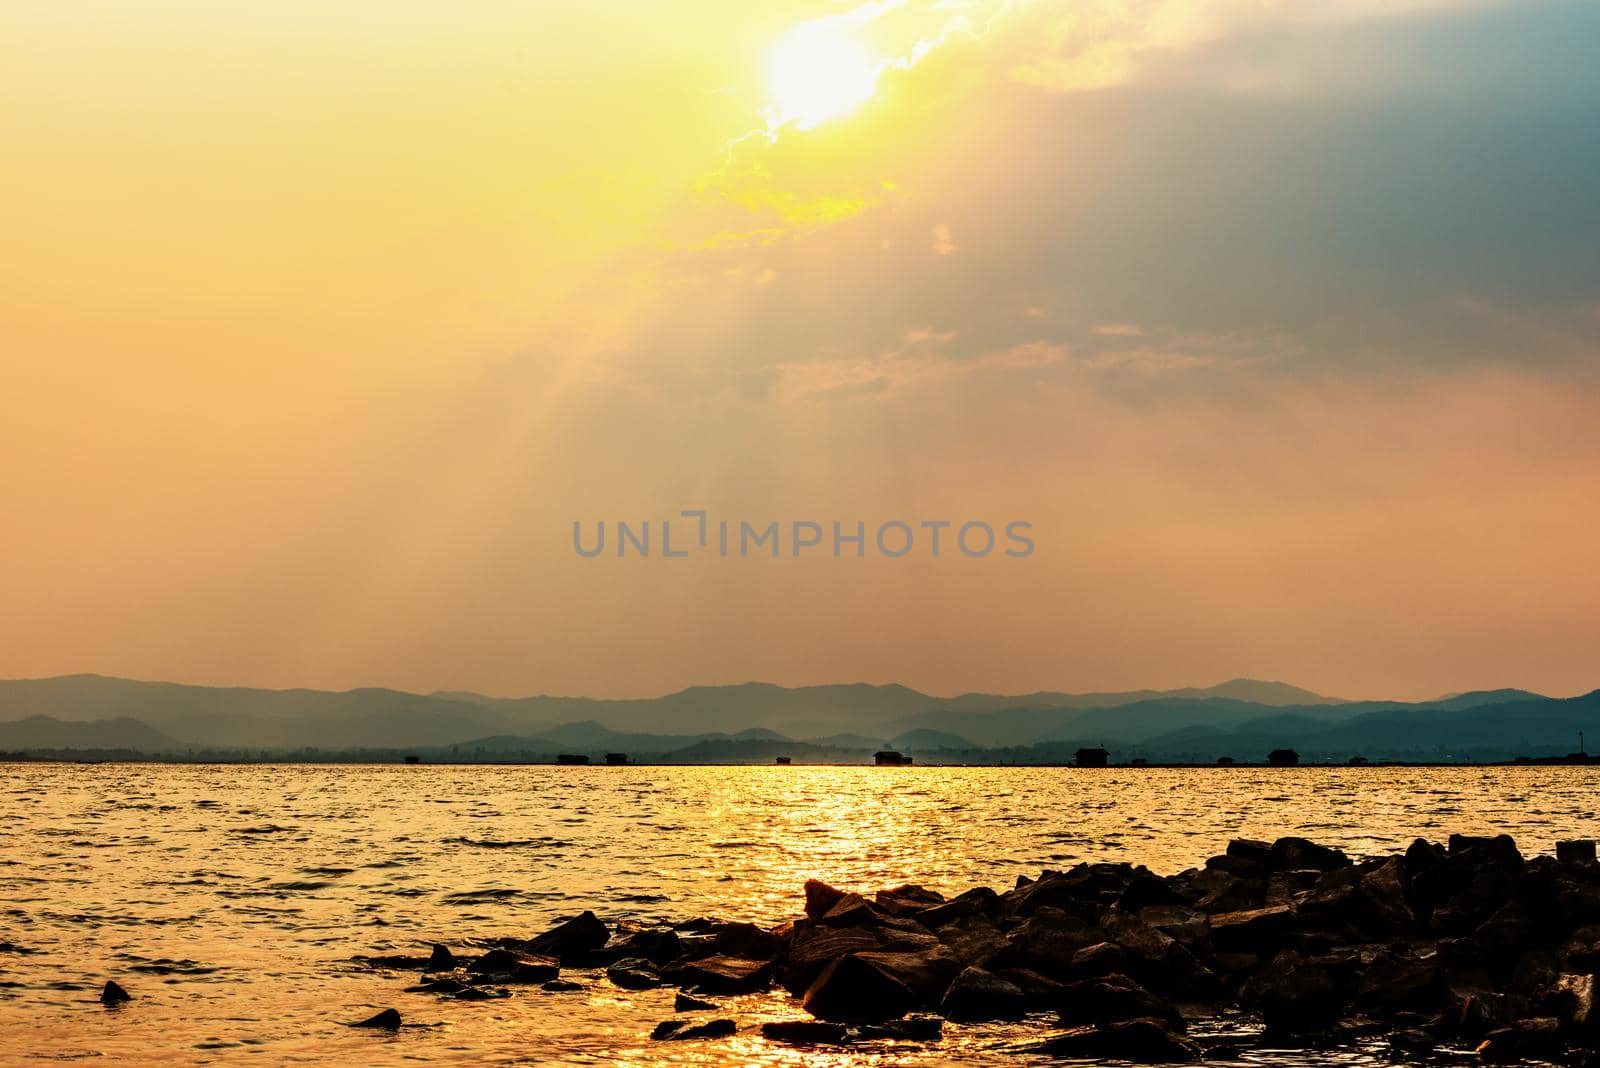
(818, 72)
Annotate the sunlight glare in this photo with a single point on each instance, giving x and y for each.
(819, 72)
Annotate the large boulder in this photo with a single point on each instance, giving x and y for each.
(979, 901)
(1113, 998)
(857, 990)
(1259, 931)
(747, 941)
(722, 975)
(633, 973)
(514, 966)
(1046, 942)
(907, 899)
(980, 995)
(813, 946)
(570, 941)
(1295, 997)
(820, 898)
(927, 973)
(1299, 853)
(971, 938)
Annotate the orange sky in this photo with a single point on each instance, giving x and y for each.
(320, 326)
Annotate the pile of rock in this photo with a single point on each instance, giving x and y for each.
(1468, 945)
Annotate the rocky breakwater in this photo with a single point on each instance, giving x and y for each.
(1467, 946)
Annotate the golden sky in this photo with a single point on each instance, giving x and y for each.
(320, 324)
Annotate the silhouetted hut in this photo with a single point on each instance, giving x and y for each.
(616, 758)
(572, 758)
(1224, 762)
(413, 760)
(890, 757)
(1092, 758)
(780, 760)
(1283, 758)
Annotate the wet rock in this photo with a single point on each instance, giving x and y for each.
(1248, 849)
(113, 994)
(387, 1020)
(441, 960)
(907, 899)
(1523, 1039)
(561, 986)
(512, 966)
(687, 1003)
(805, 1032)
(688, 1030)
(813, 947)
(855, 990)
(633, 973)
(1113, 998)
(1412, 1040)
(570, 941)
(820, 898)
(853, 910)
(1295, 997)
(1298, 853)
(1102, 958)
(1259, 931)
(1392, 983)
(1578, 851)
(656, 945)
(1041, 991)
(443, 984)
(1140, 1041)
(979, 995)
(1046, 942)
(723, 975)
(927, 973)
(478, 993)
(747, 941)
(1571, 999)
(1188, 927)
(979, 901)
(971, 938)
(1581, 952)
(909, 1029)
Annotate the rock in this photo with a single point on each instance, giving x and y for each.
(852, 910)
(1577, 851)
(820, 898)
(1248, 849)
(442, 984)
(1046, 943)
(1041, 991)
(113, 994)
(512, 966)
(971, 938)
(723, 975)
(633, 973)
(1392, 983)
(442, 960)
(926, 973)
(1412, 1040)
(1102, 958)
(1295, 997)
(1523, 1039)
(561, 986)
(748, 942)
(1140, 1041)
(656, 945)
(979, 901)
(979, 995)
(906, 899)
(682, 1002)
(1296, 853)
(570, 941)
(387, 1020)
(813, 947)
(476, 993)
(805, 1032)
(688, 1030)
(854, 990)
(1572, 1000)
(1113, 998)
(910, 1029)
(1259, 931)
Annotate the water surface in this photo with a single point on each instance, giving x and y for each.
(230, 899)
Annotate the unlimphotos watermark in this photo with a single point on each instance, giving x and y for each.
(697, 534)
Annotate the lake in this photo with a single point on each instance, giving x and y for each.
(229, 900)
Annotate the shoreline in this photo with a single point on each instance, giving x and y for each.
(1462, 948)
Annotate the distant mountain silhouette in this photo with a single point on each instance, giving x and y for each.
(755, 721)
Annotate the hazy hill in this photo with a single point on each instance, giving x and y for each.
(47, 732)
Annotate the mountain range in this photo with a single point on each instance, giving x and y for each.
(1243, 718)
